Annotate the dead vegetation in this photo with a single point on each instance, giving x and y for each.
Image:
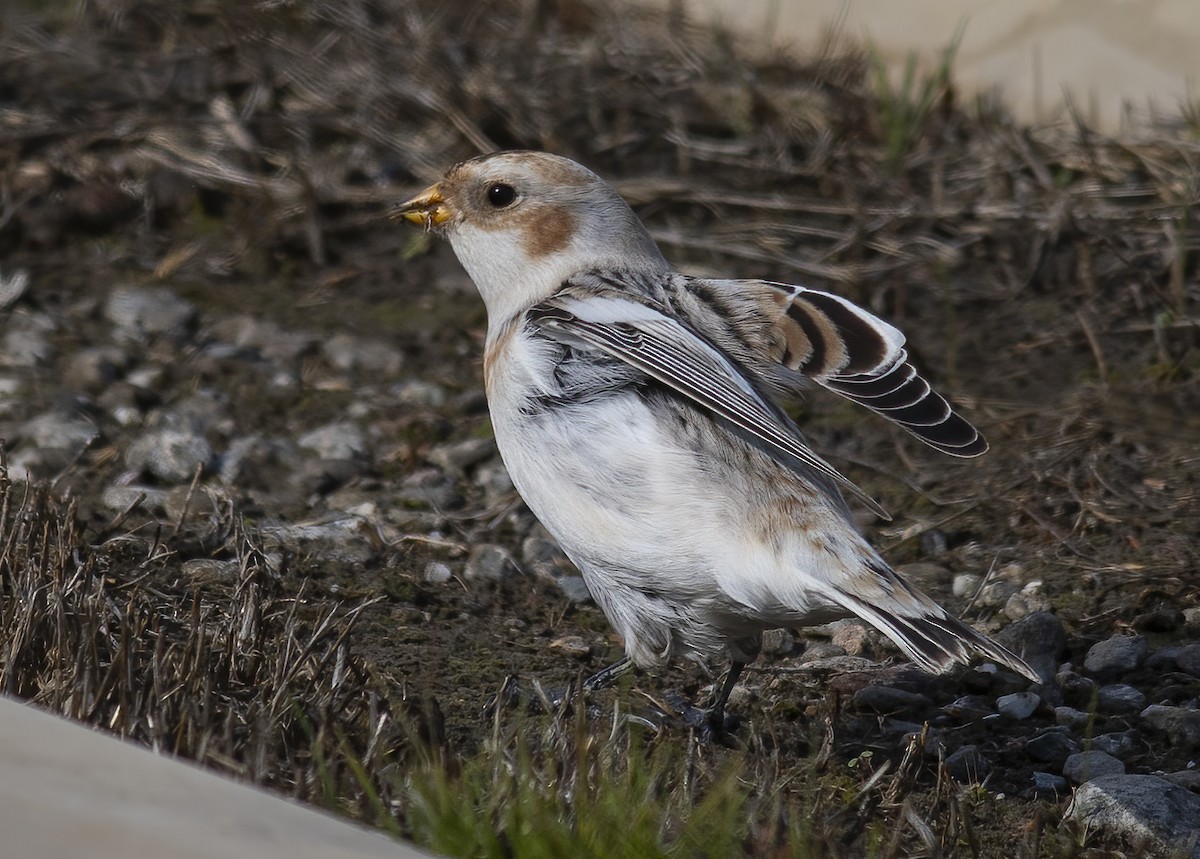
(246, 156)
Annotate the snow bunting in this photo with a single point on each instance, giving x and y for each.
(637, 411)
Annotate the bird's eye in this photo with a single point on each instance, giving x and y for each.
(500, 195)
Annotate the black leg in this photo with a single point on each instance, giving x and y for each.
(716, 713)
(607, 675)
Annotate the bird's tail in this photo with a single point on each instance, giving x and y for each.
(926, 633)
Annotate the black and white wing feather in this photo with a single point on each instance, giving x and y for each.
(851, 352)
(667, 350)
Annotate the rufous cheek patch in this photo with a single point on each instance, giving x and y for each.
(546, 231)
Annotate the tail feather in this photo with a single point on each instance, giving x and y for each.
(933, 639)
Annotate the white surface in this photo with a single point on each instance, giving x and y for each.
(67, 791)
(1106, 53)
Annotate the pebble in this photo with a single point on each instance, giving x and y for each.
(1191, 618)
(1070, 717)
(461, 455)
(1188, 659)
(1117, 698)
(1018, 705)
(967, 765)
(1180, 724)
(851, 636)
(168, 454)
(965, 585)
(340, 440)
(1139, 809)
(13, 285)
(26, 340)
(969, 708)
(1117, 655)
(1116, 744)
(489, 561)
(575, 589)
(93, 369)
(348, 352)
(1029, 600)
(1085, 766)
(121, 498)
(1052, 747)
(138, 312)
(1048, 785)
(1040, 638)
(60, 431)
(878, 698)
(778, 642)
(437, 572)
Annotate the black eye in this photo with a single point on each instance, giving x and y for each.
(501, 195)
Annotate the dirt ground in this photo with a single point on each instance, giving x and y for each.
(291, 609)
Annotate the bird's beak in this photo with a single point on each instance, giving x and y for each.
(428, 209)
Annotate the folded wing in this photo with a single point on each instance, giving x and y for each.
(676, 356)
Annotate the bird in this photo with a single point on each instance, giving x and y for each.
(640, 414)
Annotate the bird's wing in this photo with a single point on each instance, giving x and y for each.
(851, 352)
(669, 351)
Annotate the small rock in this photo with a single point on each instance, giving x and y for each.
(1049, 785)
(437, 572)
(121, 498)
(1180, 724)
(1051, 747)
(967, 765)
(348, 352)
(1159, 620)
(1191, 618)
(996, 593)
(429, 488)
(340, 440)
(59, 431)
(139, 311)
(574, 588)
(878, 698)
(493, 477)
(461, 455)
(1117, 655)
(536, 549)
(1039, 638)
(1117, 698)
(778, 642)
(1019, 705)
(851, 636)
(418, 393)
(12, 286)
(1188, 659)
(489, 561)
(26, 341)
(93, 369)
(1139, 809)
(1026, 602)
(1189, 779)
(1116, 744)
(1077, 690)
(1084, 766)
(1070, 717)
(969, 708)
(965, 585)
(168, 454)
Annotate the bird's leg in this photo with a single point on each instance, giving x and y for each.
(607, 675)
(716, 713)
